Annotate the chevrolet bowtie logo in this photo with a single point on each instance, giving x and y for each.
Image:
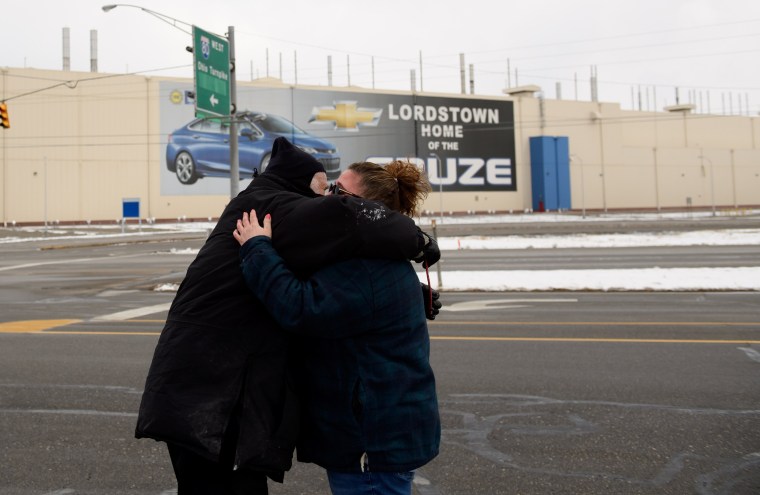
(344, 115)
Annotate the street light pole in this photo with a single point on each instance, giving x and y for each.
(702, 157)
(233, 141)
(583, 186)
(162, 17)
(440, 196)
(439, 164)
(44, 192)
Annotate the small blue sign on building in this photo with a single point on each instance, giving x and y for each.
(130, 208)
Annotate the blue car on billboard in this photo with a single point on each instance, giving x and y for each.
(202, 147)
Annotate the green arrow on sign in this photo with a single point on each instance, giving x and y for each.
(211, 60)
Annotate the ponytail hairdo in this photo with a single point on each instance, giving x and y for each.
(400, 185)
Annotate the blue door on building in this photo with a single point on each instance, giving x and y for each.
(550, 173)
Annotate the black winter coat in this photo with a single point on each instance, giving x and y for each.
(220, 354)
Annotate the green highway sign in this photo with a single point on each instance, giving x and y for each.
(211, 60)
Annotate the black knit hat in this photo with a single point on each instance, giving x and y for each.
(292, 163)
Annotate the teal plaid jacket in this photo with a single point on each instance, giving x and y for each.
(361, 365)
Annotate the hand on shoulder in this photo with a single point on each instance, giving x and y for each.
(248, 227)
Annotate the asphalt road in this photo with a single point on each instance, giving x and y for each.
(581, 393)
(602, 258)
(591, 224)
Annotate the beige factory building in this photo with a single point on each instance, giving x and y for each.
(82, 145)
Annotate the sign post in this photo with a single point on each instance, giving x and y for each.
(130, 208)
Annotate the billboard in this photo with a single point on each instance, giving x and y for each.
(464, 144)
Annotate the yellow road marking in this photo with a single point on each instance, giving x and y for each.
(481, 339)
(564, 323)
(79, 332)
(596, 340)
(33, 326)
(605, 323)
(43, 326)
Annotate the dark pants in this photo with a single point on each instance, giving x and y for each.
(197, 475)
(370, 483)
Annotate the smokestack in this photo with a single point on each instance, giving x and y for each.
(462, 73)
(93, 50)
(66, 50)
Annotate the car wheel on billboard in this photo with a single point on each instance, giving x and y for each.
(185, 166)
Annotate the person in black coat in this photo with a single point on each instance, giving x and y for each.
(217, 390)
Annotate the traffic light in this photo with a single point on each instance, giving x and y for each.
(5, 122)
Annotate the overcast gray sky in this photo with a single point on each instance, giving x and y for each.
(707, 48)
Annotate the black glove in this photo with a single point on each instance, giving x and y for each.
(432, 303)
(429, 251)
